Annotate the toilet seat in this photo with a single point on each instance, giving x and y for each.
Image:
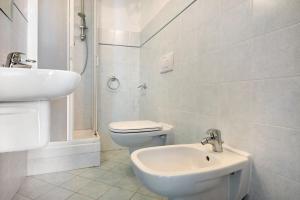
(141, 134)
(135, 126)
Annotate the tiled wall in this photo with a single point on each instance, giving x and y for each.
(119, 14)
(236, 69)
(149, 9)
(13, 37)
(122, 104)
(119, 61)
(166, 10)
(119, 37)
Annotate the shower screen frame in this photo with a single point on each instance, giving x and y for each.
(93, 56)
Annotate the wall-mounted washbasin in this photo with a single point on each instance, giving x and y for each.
(18, 84)
(24, 105)
(193, 172)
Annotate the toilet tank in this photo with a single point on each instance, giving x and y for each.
(24, 125)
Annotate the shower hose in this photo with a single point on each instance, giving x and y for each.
(86, 57)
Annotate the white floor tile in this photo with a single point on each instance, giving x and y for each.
(56, 194)
(109, 178)
(77, 171)
(117, 194)
(108, 164)
(138, 196)
(75, 183)
(144, 191)
(114, 180)
(78, 197)
(33, 188)
(94, 189)
(55, 178)
(129, 183)
(123, 169)
(92, 173)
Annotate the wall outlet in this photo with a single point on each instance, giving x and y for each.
(167, 63)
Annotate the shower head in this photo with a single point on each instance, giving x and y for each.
(82, 15)
(83, 26)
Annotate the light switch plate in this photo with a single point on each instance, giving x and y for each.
(167, 63)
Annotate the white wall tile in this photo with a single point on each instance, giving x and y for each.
(237, 24)
(277, 102)
(228, 4)
(277, 150)
(120, 14)
(236, 63)
(107, 36)
(121, 37)
(276, 54)
(272, 15)
(269, 186)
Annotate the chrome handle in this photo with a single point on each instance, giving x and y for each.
(214, 133)
(30, 61)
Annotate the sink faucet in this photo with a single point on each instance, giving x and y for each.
(214, 139)
(14, 59)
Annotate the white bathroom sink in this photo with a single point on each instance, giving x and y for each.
(25, 106)
(186, 171)
(35, 84)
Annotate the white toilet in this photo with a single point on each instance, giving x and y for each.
(140, 134)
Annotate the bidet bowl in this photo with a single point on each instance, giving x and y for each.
(186, 170)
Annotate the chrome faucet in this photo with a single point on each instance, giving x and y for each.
(214, 139)
(14, 59)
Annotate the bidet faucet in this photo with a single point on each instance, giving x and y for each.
(214, 139)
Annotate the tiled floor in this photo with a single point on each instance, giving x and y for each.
(114, 180)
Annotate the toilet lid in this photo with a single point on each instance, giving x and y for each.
(134, 126)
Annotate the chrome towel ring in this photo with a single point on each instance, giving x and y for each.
(113, 83)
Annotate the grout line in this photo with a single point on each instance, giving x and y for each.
(118, 45)
(169, 22)
(133, 195)
(277, 126)
(259, 79)
(22, 196)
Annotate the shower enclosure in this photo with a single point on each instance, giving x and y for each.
(70, 44)
(83, 103)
